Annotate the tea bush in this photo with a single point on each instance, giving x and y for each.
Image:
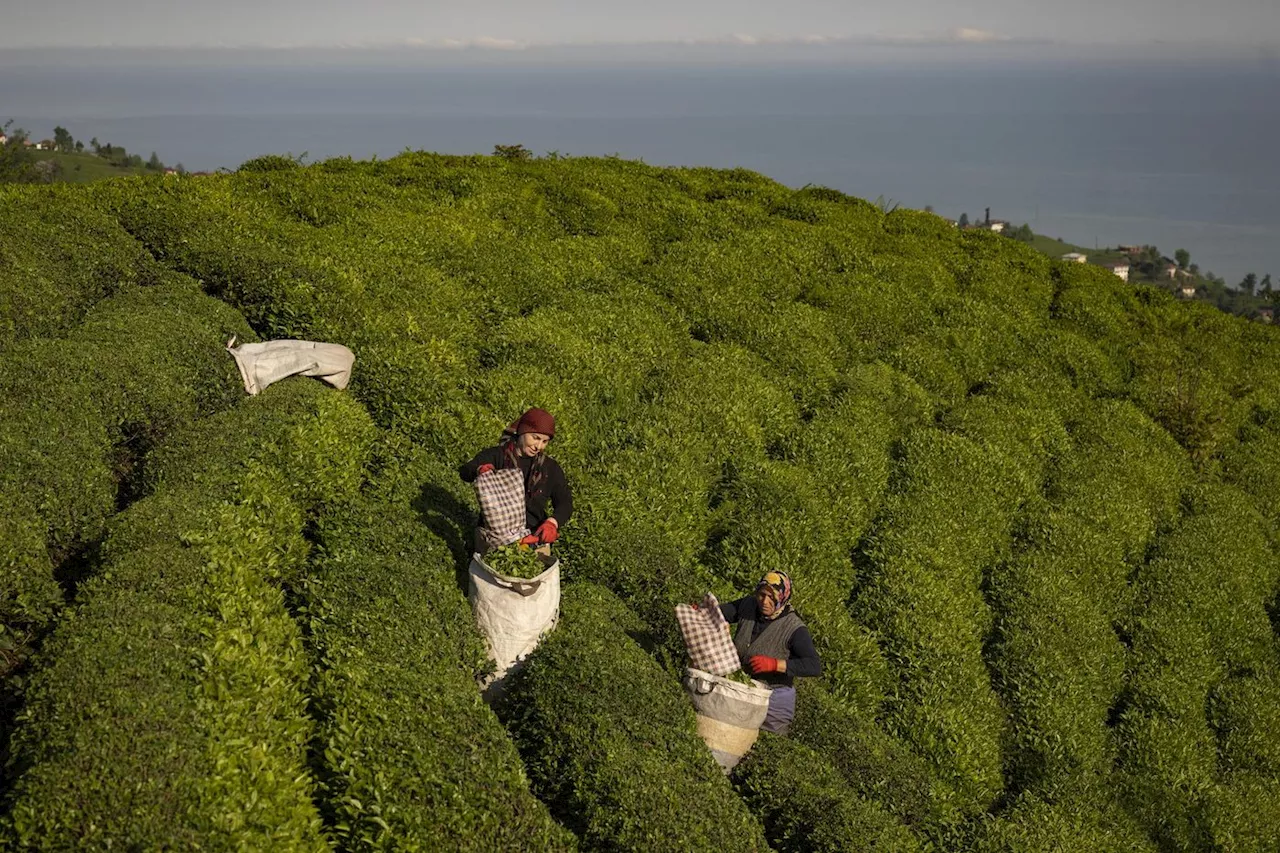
(81, 414)
(412, 758)
(948, 519)
(807, 805)
(1005, 486)
(59, 256)
(877, 766)
(1087, 817)
(180, 651)
(1199, 617)
(609, 741)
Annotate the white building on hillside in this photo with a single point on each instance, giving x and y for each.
(1075, 257)
(1120, 268)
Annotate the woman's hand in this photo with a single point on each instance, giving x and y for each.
(761, 664)
(548, 531)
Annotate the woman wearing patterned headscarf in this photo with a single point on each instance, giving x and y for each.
(774, 645)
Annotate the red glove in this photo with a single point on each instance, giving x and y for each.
(548, 531)
(760, 664)
(484, 469)
(530, 540)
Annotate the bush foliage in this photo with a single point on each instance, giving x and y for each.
(1030, 511)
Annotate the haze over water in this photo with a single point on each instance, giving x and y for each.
(1178, 156)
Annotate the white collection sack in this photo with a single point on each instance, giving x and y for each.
(263, 363)
(513, 614)
(729, 714)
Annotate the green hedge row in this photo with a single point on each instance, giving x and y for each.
(411, 758)
(59, 256)
(83, 411)
(1200, 618)
(711, 342)
(877, 766)
(948, 520)
(1087, 816)
(1058, 662)
(169, 707)
(807, 805)
(609, 740)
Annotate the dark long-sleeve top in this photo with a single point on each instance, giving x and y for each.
(802, 657)
(554, 486)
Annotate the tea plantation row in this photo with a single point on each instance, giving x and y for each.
(1029, 511)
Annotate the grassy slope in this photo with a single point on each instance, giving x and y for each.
(86, 168)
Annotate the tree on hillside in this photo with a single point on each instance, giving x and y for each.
(93, 143)
(63, 140)
(1249, 283)
(1183, 257)
(964, 220)
(154, 163)
(1023, 233)
(512, 152)
(79, 147)
(1265, 286)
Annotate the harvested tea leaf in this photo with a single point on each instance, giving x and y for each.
(515, 560)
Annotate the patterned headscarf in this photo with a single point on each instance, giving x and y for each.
(779, 586)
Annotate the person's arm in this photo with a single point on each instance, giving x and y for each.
(470, 470)
(735, 610)
(802, 657)
(561, 496)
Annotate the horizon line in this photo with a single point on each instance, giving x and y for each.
(961, 37)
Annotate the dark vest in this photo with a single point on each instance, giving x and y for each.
(774, 641)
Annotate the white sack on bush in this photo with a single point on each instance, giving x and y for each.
(263, 363)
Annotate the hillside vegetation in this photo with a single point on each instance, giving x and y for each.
(1030, 512)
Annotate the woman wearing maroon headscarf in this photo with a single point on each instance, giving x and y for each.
(523, 445)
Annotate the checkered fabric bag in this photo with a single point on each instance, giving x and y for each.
(706, 636)
(502, 505)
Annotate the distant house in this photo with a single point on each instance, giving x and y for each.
(954, 223)
(3, 139)
(1267, 314)
(1187, 290)
(1170, 270)
(171, 171)
(1120, 268)
(1131, 250)
(44, 145)
(1075, 257)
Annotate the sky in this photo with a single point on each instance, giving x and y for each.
(510, 26)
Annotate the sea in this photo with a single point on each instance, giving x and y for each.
(1094, 153)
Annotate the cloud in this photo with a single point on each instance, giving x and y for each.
(970, 35)
(478, 43)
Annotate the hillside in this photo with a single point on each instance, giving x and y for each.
(1030, 512)
(85, 168)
